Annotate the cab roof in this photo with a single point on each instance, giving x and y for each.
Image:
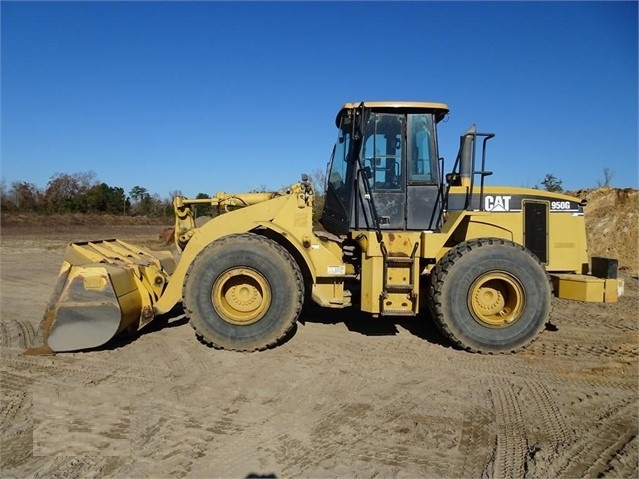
(439, 109)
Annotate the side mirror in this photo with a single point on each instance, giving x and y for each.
(368, 173)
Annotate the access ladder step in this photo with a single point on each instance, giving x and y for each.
(397, 312)
(398, 288)
(399, 260)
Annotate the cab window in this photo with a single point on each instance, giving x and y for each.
(422, 154)
(382, 150)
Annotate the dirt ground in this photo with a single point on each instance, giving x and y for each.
(346, 396)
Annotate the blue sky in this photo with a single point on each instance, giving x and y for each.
(210, 96)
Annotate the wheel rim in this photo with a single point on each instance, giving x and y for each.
(241, 296)
(496, 299)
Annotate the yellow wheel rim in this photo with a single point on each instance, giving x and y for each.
(241, 296)
(496, 299)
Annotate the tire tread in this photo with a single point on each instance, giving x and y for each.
(438, 278)
(260, 242)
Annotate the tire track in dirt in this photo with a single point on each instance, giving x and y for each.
(624, 461)
(527, 418)
(77, 369)
(612, 452)
(591, 453)
(511, 444)
(206, 430)
(16, 333)
(577, 350)
(377, 433)
(477, 435)
(171, 349)
(340, 429)
(541, 408)
(532, 403)
(354, 436)
(336, 420)
(16, 426)
(20, 376)
(5, 335)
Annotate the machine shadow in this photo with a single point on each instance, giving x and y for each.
(355, 321)
(364, 323)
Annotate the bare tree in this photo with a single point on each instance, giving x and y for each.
(607, 179)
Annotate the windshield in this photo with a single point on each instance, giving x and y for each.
(337, 175)
(339, 183)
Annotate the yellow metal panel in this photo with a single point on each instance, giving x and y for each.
(611, 291)
(372, 278)
(400, 245)
(329, 293)
(440, 109)
(508, 226)
(581, 287)
(567, 243)
(399, 104)
(432, 244)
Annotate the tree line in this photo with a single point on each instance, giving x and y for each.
(82, 193)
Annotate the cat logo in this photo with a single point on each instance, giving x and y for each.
(497, 203)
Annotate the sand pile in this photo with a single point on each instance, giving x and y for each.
(612, 215)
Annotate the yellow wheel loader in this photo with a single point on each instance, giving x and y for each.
(401, 238)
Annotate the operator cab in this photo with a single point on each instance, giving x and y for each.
(384, 173)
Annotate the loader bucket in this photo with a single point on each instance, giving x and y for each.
(104, 288)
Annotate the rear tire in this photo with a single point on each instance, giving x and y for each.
(243, 292)
(490, 296)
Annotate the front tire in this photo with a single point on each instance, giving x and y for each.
(490, 296)
(243, 292)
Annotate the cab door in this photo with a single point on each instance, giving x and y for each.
(423, 192)
(382, 158)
